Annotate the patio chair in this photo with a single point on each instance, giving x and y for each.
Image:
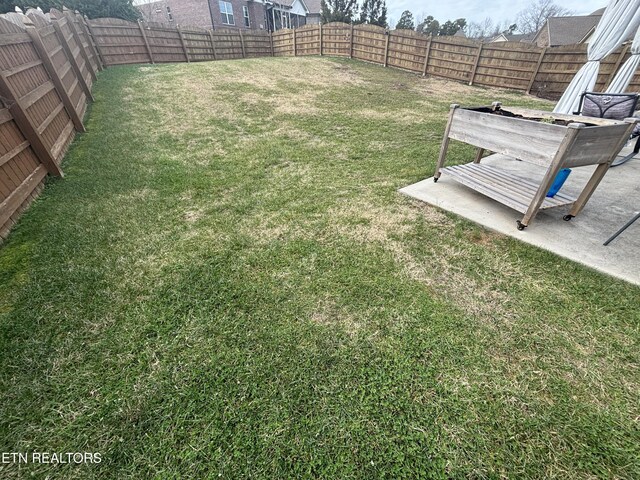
(615, 106)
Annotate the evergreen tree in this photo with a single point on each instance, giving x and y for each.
(429, 26)
(406, 21)
(374, 12)
(123, 9)
(451, 28)
(338, 10)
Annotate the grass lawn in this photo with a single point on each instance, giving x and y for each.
(228, 285)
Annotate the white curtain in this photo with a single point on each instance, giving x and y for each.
(628, 69)
(620, 20)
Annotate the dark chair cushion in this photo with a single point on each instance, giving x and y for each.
(615, 107)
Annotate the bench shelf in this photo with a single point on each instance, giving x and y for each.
(550, 140)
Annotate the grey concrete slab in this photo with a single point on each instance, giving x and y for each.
(616, 201)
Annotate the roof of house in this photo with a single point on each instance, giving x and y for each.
(520, 37)
(512, 37)
(290, 3)
(314, 6)
(570, 30)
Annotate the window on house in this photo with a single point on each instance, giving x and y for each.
(245, 12)
(227, 13)
(169, 14)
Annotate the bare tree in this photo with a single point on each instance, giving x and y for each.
(481, 30)
(532, 18)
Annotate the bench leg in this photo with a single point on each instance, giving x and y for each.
(445, 143)
(540, 195)
(588, 190)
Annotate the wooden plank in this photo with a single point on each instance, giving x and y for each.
(244, 53)
(445, 142)
(13, 38)
(5, 116)
(34, 95)
(536, 142)
(351, 42)
(528, 112)
(479, 154)
(10, 204)
(28, 128)
(509, 189)
(213, 44)
(184, 46)
(56, 50)
(47, 121)
(94, 49)
(516, 186)
(56, 150)
(146, 42)
(72, 60)
(295, 49)
(555, 165)
(83, 52)
(56, 78)
(426, 57)
(595, 145)
(13, 152)
(21, 68)
(386, 48)
(475, 65)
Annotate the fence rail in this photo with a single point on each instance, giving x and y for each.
(49, 62)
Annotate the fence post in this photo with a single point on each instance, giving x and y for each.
(351, 43)
(475, 65)
(615, 68)
(94, 50)
(320, 39)
(295, 47)
(184, 46)
(386, 48)
(28, 129)
(213, 44)
(426, 56)
(244, 54)
(55, 78)
(72, 60)
(95, 42)
(536, 70)
(271, 43)
(78, 40)
(146, 42)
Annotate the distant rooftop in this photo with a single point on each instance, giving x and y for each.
(570, 30)
(314, 6)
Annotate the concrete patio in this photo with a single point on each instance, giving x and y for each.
(616, 201)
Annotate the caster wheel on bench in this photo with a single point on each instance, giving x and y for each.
(566, 218)
(521, 226)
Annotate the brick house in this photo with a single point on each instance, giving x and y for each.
(570, 30)
(236, 14)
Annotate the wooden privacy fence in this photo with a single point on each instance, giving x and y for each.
(48, 64)
(47, 67)
(545, 72)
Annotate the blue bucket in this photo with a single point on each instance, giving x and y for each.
(558, 182)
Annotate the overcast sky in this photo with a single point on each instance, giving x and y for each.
(478, 10)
